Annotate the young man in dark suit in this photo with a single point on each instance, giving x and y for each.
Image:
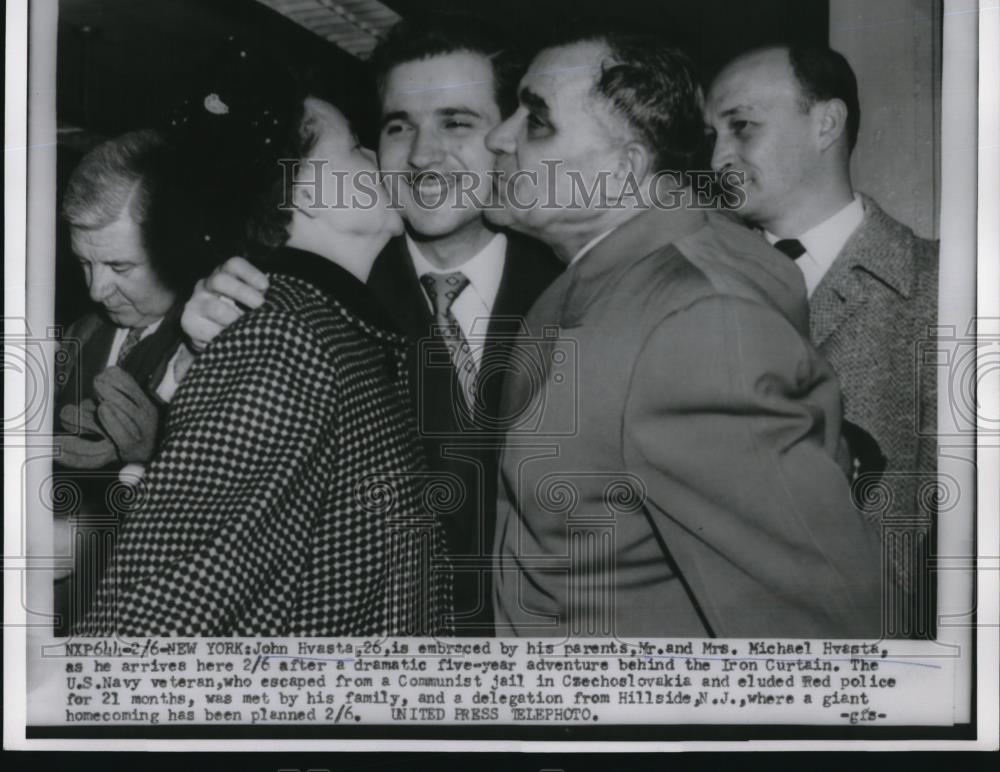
(455, 286)
(788, 119)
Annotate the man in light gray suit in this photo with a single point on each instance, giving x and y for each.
(679, 475)
(788, 118)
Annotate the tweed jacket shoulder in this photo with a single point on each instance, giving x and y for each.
(870, 316)
(286, 499)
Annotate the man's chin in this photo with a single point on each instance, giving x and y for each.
(754, 205)
(501, 217)
(396, 228)
(435, 225)
(121, 318)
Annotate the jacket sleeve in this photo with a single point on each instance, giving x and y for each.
(68, 358)
(732, 423)
(212, 525)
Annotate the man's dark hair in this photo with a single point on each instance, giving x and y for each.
(439, 34)
(654, 86)
(824, 74)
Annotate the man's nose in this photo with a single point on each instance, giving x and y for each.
(426, 150)
(722, 155)
(502, 138)
(102, 284)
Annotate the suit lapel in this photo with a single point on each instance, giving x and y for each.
(394, 283)
(528, 269)
(879, 252)
(840, 295)
(506, 321)
(434, 386)
(93, 359)
(148, 361)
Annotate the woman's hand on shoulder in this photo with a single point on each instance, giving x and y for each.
(221, 299)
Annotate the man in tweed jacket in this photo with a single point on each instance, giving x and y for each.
(788, 119)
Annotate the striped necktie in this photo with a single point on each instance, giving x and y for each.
(133, 337)
(443, 289)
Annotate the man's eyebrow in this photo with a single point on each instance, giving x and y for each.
(451, 112)
(534, 102)
(395, 115)
(445, 112)
(736, 109)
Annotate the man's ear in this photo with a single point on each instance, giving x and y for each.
(832, 121)
(633, 160)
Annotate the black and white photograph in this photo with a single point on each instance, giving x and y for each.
(401, 373)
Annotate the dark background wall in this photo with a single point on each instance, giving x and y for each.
(895, 48)
(125, 64)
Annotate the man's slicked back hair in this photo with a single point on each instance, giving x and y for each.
(440, 34)
(134, 175)
(654, 86)
(113, 179)
(824, 74)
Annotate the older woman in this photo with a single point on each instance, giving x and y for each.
(287, 497)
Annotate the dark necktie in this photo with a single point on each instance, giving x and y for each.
(129, 343)
(791, 247)
(443, 289)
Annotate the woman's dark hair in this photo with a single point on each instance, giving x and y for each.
(240, 138)
(270, 211)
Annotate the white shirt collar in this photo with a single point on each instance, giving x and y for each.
(591, 244)
(824, 242)
(484, 269)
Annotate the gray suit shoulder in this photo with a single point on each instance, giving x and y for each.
(738, 262)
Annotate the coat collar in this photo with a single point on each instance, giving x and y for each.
(881, 247)
(880, 251)
(352, 295)
(529, 268)
(394, 284)
(644, 234)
